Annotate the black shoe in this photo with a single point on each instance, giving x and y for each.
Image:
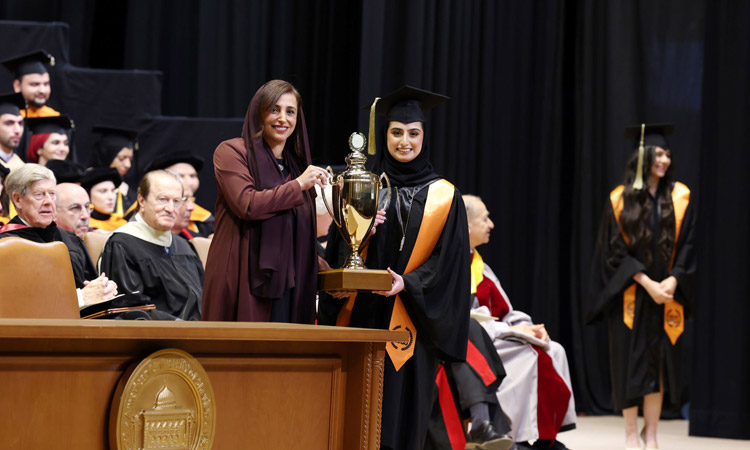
(523, 446)
(486, 438)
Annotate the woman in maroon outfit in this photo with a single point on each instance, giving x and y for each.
(262, 264)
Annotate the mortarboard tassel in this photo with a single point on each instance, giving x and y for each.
(371, 137)
(638, 183)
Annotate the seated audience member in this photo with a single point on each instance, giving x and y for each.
(468, 390)
(116, 149)
(31, 79)
(182, 219)
(73, 208)
(11, 129)
(536, 393)
(143, 256)
(66, 171)
(31, 187)
(101, 185)
(187, 166)
(49, 139)
(4, 217)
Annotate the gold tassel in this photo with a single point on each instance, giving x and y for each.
(638, 183)
(371, 137)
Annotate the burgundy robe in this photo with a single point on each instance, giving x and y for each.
(264, 243)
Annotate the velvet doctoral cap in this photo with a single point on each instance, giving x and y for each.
(66, 171)
(170, 159)
(98, 175)
(12, 103)
(34, 62)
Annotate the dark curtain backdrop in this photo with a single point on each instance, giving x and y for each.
(540, 92)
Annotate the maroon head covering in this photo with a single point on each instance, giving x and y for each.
(284, 243)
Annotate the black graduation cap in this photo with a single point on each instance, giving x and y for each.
(34, 62)
(113, 139)
(647, 134)
(66, 171)
(653, 134)
(12, 103)
(52, 124)
(162, 162)
(407, 104)
(100, 174)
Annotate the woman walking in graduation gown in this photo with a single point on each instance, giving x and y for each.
(262, 264)
(424, 243)
(642, 282)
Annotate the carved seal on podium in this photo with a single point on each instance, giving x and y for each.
(164, 401)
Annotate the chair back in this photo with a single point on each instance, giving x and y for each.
(95, 241)
(201, 245)
(36, 280)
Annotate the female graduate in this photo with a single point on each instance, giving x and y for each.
(424, 244)
(49, 139)
(262, 264)
(116, 149)
(101, 185)
(642, 282)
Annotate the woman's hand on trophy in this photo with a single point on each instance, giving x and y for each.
(379, 218)
(311, 176)
(398, 285)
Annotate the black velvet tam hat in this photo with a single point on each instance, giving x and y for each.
(12, 103)
(53, 124)
(34, 62)
(66, 171)
(170, 159)
(98, 175)
(407, 104)
(653, 134)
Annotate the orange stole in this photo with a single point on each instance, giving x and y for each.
(44, 111)
(436, 209)
(674, 312)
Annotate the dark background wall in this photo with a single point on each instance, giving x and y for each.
(541, 92)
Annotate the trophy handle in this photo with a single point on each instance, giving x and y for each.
(387, 190)
(325, 202)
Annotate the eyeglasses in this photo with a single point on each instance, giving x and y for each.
(76, 208)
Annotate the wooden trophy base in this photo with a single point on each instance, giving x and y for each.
(354, 280)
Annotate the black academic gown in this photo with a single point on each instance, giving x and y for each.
(437, 299)
(636, 355)
(83, 267)
(171, 277)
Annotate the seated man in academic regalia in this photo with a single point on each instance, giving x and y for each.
(187, 166)
(73, 208)
(536, 393)
(143, 256)
(31, 188)
(31, 79)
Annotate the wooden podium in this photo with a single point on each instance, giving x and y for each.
(276, 386)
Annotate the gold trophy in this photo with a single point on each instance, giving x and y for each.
(355, 194)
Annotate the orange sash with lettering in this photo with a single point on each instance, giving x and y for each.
(674, 312)
(437, 206)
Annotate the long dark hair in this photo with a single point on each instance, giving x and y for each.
(637, 206)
